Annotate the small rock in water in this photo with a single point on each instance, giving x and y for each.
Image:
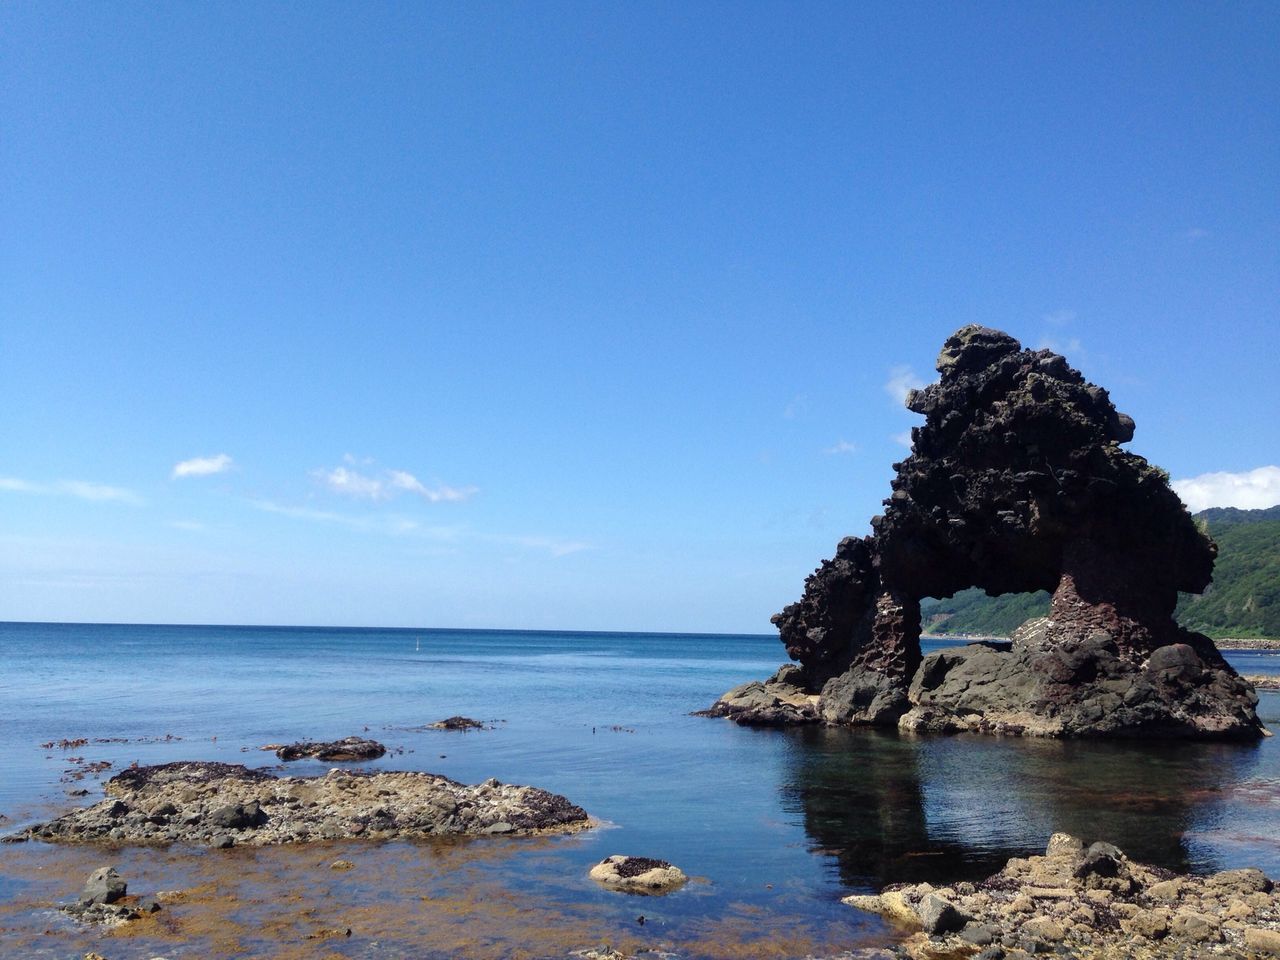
(341, 865)
(637, 874)
(457, 723)
(347, 749)
(104, 885)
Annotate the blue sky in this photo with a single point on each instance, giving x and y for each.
(588, 315)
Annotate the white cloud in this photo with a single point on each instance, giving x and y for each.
(1192, 234)
(190, 526)
(351, 483)
(902, 380)
(201, 466)
(389, 484)
(1250, 490)
(80, 489)
(401, 480)
(903, 438)
(840, 446)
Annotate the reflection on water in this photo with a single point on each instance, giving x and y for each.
(893, 808)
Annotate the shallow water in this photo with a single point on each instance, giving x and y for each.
(779, 824)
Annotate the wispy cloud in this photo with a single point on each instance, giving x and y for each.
(408, 527)
(1249, 490)
(902, 380)
(795, 406)
(1068, 347)
(1059, 318)
(80, 489)
(352, 483)
(387, 485)
(552, 545)
(1192, 234)
(201, 466)
(190, 526)
(903, 438)
(839, 447)
(400, 480)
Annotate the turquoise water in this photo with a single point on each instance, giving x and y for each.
(604, 719)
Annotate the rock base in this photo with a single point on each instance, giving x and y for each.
(1051, 681)
(1081, 686)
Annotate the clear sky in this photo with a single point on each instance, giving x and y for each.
(588, 315)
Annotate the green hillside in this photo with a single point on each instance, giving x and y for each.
(1242, 601)
(1244, 598)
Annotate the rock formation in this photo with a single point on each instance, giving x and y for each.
(223, 805)
(1087, 903)
(1016, 482)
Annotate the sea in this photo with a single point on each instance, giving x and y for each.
(775, 826)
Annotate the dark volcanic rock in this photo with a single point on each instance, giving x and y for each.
(347, 749)
(457, 723)
(1016, 482)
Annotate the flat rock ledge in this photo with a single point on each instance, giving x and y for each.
(224, 805)
(637, 875)
(1089, 903)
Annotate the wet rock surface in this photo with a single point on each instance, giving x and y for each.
(1016, 482)
(780, 701)
(223, 805)
(458, 723)
(347, 750)
(637, 875)
(1085, 902)
(105, 901)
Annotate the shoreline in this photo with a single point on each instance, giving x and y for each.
(1086, 903)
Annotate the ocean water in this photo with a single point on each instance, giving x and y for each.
(777, 825)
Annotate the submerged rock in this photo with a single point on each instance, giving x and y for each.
(637, 875)
(1016, 482)
(1086, 903)
(223, 805)
(457, 723)
(337, 751)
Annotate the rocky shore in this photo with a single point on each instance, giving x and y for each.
(1088, 903)
(224, 805)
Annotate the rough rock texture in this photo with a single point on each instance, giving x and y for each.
(637, 875)
(780, 701)
(105, 901)
(335, 751)
(1016, 482)
(222, 805)
(1086, 903)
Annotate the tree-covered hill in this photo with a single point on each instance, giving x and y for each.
(1242, 601)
